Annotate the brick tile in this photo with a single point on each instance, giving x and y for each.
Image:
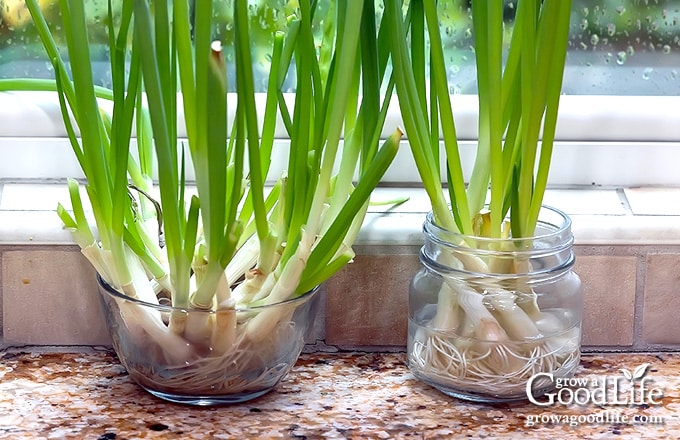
(367, 301)
(2, 327)
(660, 323)
(50, 298)
(609, 299)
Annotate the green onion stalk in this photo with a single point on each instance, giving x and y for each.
(236, 244)
(519, 93)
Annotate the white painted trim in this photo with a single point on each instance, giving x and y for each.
(601, 140)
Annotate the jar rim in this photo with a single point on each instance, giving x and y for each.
(559, 229)
(110, 290)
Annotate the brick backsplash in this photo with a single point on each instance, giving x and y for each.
(367, 301)
(608, 299)
(631, 302)
(50, 297)
(661, 308)
(2, 327)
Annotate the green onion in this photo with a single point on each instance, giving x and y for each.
(518, 102)
(236, 243)
(515, 105)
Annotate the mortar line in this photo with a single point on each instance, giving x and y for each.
(621, 192)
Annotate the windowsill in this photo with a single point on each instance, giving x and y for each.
(600, 216)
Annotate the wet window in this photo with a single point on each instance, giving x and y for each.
(617, 47)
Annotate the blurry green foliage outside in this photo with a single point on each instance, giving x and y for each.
(624, 47)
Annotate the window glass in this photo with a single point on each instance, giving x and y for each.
(617, 47)
(22, 53)
(624, 47)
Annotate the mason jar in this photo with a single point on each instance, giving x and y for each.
(486, 316)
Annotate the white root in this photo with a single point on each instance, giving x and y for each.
(256, 285)
(143, 320)
(261, 324)
(446, 318)
(513, 319)
(244, 259)
(242, 367)
(487, 328)
(140, 321)
(220, 350)
(224, 330)
(495, 343)
(94, 256)
(268, 283)
(164, 283)
(199, 322)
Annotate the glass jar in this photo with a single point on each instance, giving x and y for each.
(486, 315)
(230, 367)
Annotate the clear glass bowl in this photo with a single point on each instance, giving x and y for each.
(485, 315)
(242, 355)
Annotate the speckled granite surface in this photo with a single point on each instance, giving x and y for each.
(88, 395)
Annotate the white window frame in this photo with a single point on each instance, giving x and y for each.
(600, 140)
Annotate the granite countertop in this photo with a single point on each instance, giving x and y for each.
(88, 395)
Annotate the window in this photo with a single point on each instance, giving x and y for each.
(621, 103)
(624, 47)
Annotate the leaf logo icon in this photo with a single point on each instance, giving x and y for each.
(626, 374)
(637, 374)
(640, 371)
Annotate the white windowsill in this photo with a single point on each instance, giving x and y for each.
(600, 216)
(606, 148)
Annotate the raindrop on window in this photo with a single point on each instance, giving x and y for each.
(621, 58)
(611, 29)
(454, 89)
